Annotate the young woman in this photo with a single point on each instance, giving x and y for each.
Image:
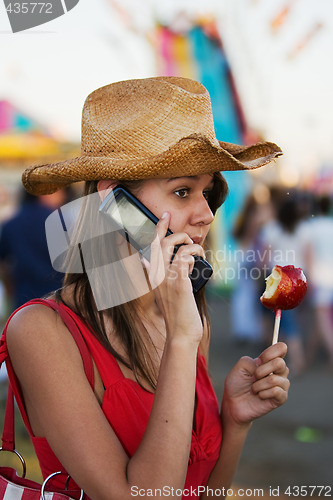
(151, 426)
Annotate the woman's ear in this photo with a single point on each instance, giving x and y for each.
(105, 186)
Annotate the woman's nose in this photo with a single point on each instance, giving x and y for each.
(202, 214)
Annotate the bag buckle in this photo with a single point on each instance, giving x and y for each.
(43, 490)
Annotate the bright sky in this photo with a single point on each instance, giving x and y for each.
(285, 93)
(49, 70)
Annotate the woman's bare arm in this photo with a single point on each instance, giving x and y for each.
(63, 408)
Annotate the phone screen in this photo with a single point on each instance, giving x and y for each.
(138, 223)
(130, 218)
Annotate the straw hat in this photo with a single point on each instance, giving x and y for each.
(148, 128)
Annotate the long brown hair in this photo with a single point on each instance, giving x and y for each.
(125, 317)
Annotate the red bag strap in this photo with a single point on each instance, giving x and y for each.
(8, 433)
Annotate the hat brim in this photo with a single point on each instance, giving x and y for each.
(193, 155)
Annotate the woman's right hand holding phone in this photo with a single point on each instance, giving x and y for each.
(162, 457)
(169, 277)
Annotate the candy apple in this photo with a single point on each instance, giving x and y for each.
(285, 288)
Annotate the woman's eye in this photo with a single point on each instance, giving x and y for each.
(206, 194)
(182, 193)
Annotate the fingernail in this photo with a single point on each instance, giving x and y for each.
(258, 361)
(165, 215)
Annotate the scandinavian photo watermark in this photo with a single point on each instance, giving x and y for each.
(25, 14)
(235, 264)
(82, 238)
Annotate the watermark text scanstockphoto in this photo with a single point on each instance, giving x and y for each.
(170, 491)
(272, 491)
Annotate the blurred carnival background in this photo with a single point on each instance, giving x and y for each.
(267, 66)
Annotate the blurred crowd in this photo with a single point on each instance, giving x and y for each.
(286, 228)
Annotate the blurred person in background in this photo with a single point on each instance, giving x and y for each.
(248, 326)
(7, 205)
(7, 208)
(320, 270)
(25, 266)
(284, 246)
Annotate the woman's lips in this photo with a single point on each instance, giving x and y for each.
(197, 240)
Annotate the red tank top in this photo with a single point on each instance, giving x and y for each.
(127, 407)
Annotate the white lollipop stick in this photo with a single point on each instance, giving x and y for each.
(276, 326)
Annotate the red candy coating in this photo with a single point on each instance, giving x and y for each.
(285, 288)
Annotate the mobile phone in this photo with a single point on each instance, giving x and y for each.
(137, 223)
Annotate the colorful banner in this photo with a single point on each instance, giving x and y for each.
(198, 53)
(23, 138)
(12, 120)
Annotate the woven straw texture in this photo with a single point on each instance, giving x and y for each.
(147, 128)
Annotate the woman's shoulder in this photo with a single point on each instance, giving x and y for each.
(37, 340)
(30, 314)
(38, 314)
(33, 324)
